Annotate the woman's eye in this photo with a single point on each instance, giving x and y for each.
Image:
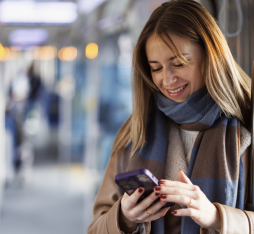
(179, 65)
(155, 70)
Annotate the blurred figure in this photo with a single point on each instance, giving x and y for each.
(22, 109)
(35, 86)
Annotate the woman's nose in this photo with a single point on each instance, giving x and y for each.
(169, 78)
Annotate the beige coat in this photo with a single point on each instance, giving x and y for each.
(108, 202)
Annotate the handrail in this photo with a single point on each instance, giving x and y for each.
(240, 14)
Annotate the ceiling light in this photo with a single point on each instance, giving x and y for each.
(31, 12)
(88, 6)
(28, 37)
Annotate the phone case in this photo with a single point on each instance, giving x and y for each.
(131, 180)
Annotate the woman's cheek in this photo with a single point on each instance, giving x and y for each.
(156, 81)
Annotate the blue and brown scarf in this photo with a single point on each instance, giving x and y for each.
(215, 164)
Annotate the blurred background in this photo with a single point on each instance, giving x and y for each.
(65, 89)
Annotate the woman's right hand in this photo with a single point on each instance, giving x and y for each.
(132, 213)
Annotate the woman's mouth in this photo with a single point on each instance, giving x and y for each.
(176, 92)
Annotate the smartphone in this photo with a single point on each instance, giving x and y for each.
(131, 180)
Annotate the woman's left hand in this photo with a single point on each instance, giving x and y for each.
(200, 209)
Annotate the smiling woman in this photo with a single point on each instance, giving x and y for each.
(191, 112)
(174, 79)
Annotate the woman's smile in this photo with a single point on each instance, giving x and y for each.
(177, 92)
(174, 79)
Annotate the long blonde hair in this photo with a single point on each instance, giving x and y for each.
(227, 83)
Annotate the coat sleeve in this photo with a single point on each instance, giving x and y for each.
(107, 206)
(234, 220)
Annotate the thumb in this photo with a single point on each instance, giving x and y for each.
(183, 178)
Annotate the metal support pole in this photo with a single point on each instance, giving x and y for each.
(2, 133)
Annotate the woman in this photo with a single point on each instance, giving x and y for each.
(188, 127)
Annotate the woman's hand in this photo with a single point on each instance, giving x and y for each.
(132, 213)
(200, 209)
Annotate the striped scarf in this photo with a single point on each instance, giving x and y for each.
(215, 164)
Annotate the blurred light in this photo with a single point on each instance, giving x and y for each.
(92, 50)
(45, 53)
(4, 53)
(48, 53)
(7, 53)
(14, 53)
(28, 37)
(31, 12)
(88, 6)
(67, 53)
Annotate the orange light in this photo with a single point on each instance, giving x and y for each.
(92, 50)
(36, 53)
(7, 53)
(14, 53)
(45, 53)
(67, 53)
(48, 53)
(4, 53)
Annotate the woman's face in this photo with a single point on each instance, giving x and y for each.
(175, 80)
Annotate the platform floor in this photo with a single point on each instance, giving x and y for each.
(51, 203)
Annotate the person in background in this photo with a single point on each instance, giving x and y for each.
(189, 127)
(35, 86)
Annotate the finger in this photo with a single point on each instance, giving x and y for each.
(183, 178)
(144, 204)
(179, 184)
(178, 191)
(153, 208)
(131, 200)
(186, 212)
(156, 215)
(181, 199)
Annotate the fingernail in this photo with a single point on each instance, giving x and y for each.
(163, 196)
(162, 182)
(174, 212)
(140, 190)
(157, 189)
(180, 169)
(157, 194)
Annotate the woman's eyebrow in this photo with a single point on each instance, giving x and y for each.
(170, 59)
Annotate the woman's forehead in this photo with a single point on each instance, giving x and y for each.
(169, 44)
